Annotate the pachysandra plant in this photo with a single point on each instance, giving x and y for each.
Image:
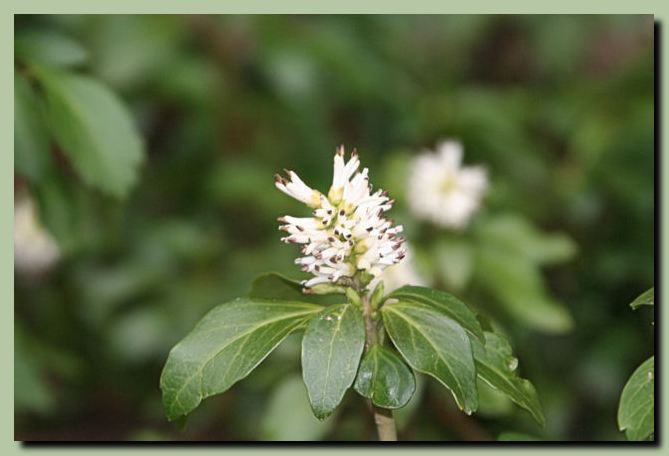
(636, 412)
(367, 339)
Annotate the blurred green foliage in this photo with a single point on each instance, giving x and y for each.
(558, 108)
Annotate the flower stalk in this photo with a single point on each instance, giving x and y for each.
(383, 418)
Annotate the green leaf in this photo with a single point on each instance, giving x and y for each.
(31, 137)
(227, 344)
(49, 48)
(647, 298)
(636, 413)
(434, 344)
(331, 349)
(385, 379)
(496, 365)
(94, 129)
(290, 395)
(444, 302)
(272, 285)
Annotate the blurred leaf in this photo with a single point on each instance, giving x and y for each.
(289, 416)
(516, 234)
(492, 402)
(385, 379)
(647, 298)
(444, 303)
(496, 365)
(149, 435)
(140, 335)
(107, 287)
(517, 284)
(49, 48)
(31, 138)
(31, 392)
(435, 345)
(241, 181)
(129, 50)
(394, 174)
(636, 413)
(94, 130)
(516, 437)
(227, 344)
(455, 261)
(62, 211)
(405, 415)
(331, 349)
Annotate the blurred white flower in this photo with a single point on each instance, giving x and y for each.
(443, 191)
(398, 275)
(35, 251)
(347, 232)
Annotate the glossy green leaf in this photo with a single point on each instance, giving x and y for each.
(496, 365)
(636, 413)
(385, 379)
(94, 129)
(434, 344)
(444, 302)
(331, 350)
(275, 286)
(49, 48)
(647, 298)
(272, 285)
(227, 344)
(31, 137)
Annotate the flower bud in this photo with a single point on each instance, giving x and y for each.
(377, 295)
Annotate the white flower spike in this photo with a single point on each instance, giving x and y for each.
(347, 234)
(443, 191)
(398, 275)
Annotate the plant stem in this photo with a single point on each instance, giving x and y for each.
(383, 418)
(385, 424)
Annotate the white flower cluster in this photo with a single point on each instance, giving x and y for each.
(347, 232)
(443, 191)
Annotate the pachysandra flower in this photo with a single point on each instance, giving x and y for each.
(347, 234)
(398, 275)
(443, 191)
(35, 251)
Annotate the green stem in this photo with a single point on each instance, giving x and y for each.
(383, 418)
